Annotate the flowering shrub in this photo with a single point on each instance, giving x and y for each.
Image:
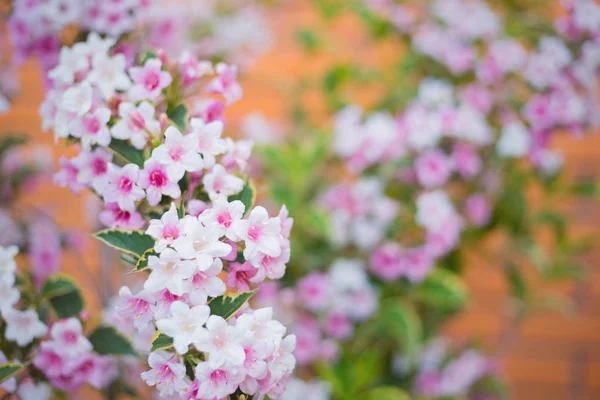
(448, 158)
(151, 149)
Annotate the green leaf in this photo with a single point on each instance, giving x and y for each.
(127, 152)
(246, 196)
(10, 369)
(387, 393)
(179, 117)
(128, 241)
(443, 289)
(227, 305)
(64, 296)
(107, 340)
(142, 262)
(160, 341)
(403, 324)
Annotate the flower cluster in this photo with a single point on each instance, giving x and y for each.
(441, 374)
(230, 30)
(325, 308)
(360, 213)
(36, 27)
(66, 358)
(151, 138)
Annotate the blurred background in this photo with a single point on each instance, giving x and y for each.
(550, 356)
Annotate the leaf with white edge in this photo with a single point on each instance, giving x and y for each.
(246, 196)
(387, 393)
(127, 152)
(107, 340)
(160, 341)
(227, 305)
(64, 296)
(142, 262)
(133, 242)
(10, 369)
(178, 115)
(443, 289)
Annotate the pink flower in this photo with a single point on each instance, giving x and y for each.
(50, 359)
(166, 373)
(417, 264)
(68, 336)
(216, 383)
(219, 182)
(386, 261)
(260, 233)
(338, 326)
(433, 168)
(272, 267)
(93, 168)
(166, 230)
(122, 187)
(92, 128)
(209, 141)
(148, 80)
(444, 238)
(226, 83)
(225, 214)
(67, 175)
(113, 217)
(477, 208)
(313, 291)
(466, 160)
(155, 180)
(240, 275)
(207, 281)
(137, 308)
(136, 123)
(178, 153)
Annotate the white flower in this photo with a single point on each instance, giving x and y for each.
(71, 61)
(515, 141)
(433, 209)
(222, 343)
(166, 373)
(435, 92)
(178, 153)
(23, 326)
(219, 182)
(108, 74)
(77, 99)
(424, 128)
(8, 266)
(260, 233)
(201, 242)
(208, 139)
(9, 296)
(168, 272)
(184, 325)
